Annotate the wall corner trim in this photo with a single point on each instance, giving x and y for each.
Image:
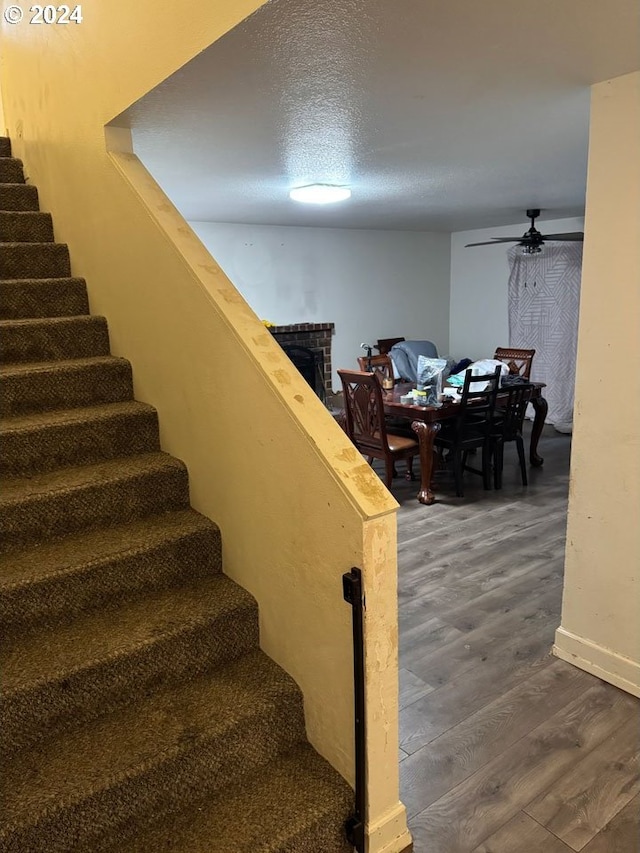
(598, 660)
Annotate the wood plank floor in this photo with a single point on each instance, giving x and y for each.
(503, 748)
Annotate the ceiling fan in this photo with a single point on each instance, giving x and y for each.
(532, 240)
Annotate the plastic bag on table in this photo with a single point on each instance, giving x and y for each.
(430, 378)
(479, 368)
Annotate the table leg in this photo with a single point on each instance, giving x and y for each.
(540, 407)
(426, 434)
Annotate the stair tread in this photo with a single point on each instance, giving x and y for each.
(297, 804)
(60, 417)
(38, 322)
(81, 551)
(70, 364)
(133, 740)
(26, 226)
(34, 260)
(18, 489)
(18, 196)
(116, 630)
(44, 282)
(30, 247)
(31, 340)
(21, 298)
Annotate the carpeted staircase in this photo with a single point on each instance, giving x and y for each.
(138, 713)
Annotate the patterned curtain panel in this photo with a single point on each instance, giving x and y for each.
(544, 300)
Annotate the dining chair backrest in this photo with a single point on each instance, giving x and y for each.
(478, 397)
(378, 364)
(513, 408)
(519, 360)
(364, 410)
(384, 344)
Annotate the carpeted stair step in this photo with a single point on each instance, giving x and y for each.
(53, 338)
(11, 171)
(25, 226)
(67, 500)
(298, 804)
(34, 260)
(44, 441)
(5, 146)
(148, 757)
(46, 297)
(61, 579)
(110, 657)
(18, 197)
(44, 386)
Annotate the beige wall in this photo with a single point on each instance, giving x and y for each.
(600, 629)
(296, 504)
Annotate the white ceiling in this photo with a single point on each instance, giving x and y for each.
(441, 115)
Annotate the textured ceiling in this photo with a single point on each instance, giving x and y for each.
(440, 115)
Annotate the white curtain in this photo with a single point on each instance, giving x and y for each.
(544, 299)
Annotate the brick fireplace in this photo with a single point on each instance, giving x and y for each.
(313, 336)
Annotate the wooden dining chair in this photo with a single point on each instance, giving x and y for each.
(518, 360)
(472, 428)
(366, 426)
(508, 427)
(382, 366)
(378, 364)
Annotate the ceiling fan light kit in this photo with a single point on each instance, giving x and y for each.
(531, 249)
(532, 240)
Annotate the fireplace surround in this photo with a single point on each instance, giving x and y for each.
(311, 336)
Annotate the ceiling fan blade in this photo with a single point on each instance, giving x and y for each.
(495, 240)
(569, 236)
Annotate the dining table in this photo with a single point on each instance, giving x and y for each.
(426, 421)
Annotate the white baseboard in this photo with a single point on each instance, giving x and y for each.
(604, 663)
(389, 834)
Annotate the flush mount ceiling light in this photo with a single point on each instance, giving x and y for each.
(319, 194)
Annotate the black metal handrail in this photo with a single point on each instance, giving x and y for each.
(353, 595)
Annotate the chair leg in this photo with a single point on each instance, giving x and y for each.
(457, 472)
(486, 466)
(498, 462)
(521, 457)
(410, 475)
(389, 470)
(395, 473)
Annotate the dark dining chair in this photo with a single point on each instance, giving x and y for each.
(366, 426)
(472, 428)
(518, 360)
(508, 424)
(384, 344)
